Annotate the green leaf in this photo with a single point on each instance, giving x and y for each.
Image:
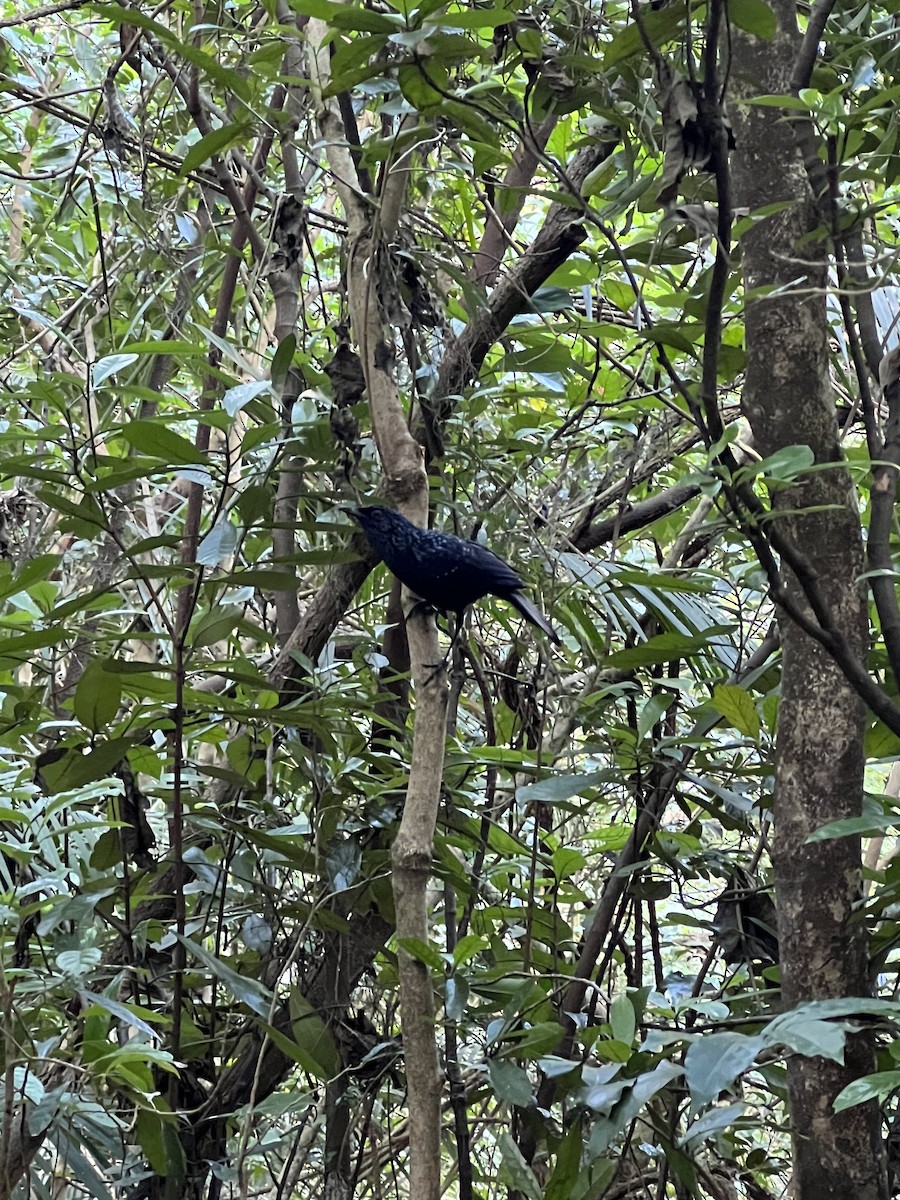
(157, 1134)
(785, 464)
(282, 361)
(215, 625)
(510, 1082)
(556, 788)
(363, 20)
(313, 1037)
(265, 578)
(155, 440)
(249, 991)
(659, 26)
(97, 697)
(477, 18)
(714, 1062)
(239, 396)
(622, 1020)
(456, 997)
(34, 571)
(790, 102)
(425, 87)
(737, 707)
(869, 825)
(551, 300)
(423, 952)
(110, 365)
(174, 346)
(75, 769)
(663, 648)
(218, 544)
(516, 1170)
(653, 711)
(877, 1086)
(713, 1122)
(755, 17)
(130, 1014)
(560, 1185)
(807, 1032)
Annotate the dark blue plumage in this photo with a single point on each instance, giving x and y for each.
(447, 572)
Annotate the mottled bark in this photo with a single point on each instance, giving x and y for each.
(819, 767)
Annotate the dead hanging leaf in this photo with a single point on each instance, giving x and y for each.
(688, 134)
(702, 218)
(387, 287)
(344, 426)
(414, 291)
(288, 233)
(13, 511)
(348, 379)
(138, 839)
(119, 127)
(889, 368)
(129, 44)
(555, 76)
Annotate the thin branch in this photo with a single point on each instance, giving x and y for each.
(882, 577)
(38, 14)
(809, 47)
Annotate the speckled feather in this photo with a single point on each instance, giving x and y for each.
(448, 572)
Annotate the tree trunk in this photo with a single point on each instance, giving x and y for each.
(819, 755)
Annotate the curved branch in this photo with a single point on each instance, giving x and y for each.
(503, 217)
(644, 513)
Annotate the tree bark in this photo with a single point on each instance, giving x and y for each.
(819, 754)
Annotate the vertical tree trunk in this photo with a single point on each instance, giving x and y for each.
(819, 756)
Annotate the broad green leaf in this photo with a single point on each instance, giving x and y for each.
(713, 1122)
(131, 1014)
(754, 16)
(237, 397)
(557, 788)
(516, 1170)
(423, 952)
(156, 1131)
(653, 711)
(33, 571)
(156, 441)
(560, 1185)
(660, 649)
(660, 27)
(877, 1086)
(103, 368)
(456, 997)
(622, 1020)
(97, 696)
(869, 825)
(425, 87)
(215, 625)
(218, 544)
(737, 707)
(510, 1082)
(313, 1037)
(713, 1062)
(244, 988)
(76, 768)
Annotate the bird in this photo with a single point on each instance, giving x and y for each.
(448, 573)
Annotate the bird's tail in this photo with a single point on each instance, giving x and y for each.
(533, 614)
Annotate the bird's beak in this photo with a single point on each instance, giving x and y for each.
(351, 512)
